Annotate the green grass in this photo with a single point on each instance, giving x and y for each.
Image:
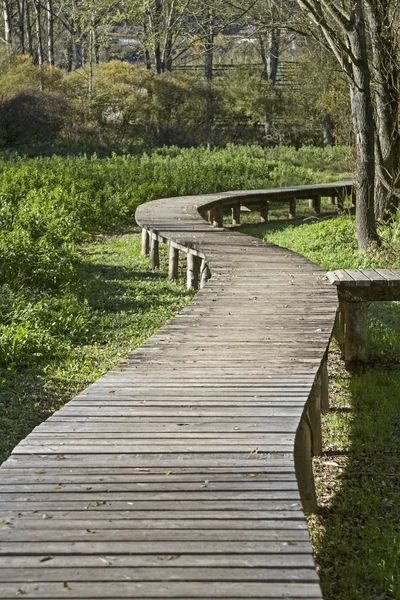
(118, 303)
(356, 535)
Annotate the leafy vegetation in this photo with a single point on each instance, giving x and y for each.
(356, 535)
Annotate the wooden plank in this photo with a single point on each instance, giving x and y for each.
(188, 590)
(392, 277)
(374, 277)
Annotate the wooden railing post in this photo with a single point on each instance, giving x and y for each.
(173, 265)
(315, 203)
(145, 241)
(323, 373)
(193, 271)
(292, 208)
(303, 466)
(314, 416)
(154, 253)
(236, 214)
(204, 273)
(217, 216)
(340, 199)
(264, 210)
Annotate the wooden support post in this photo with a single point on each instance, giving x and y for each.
(193, 271)
(303, 466)
(217, 216)
(154, 253)
(145, 241)
(264, 210)
(315, 203)
(314, 417)
(331, 199)
(236, 214)
(356, 332)
(292, 208)
(342, 327)
(173, 264)
(204, 273)
(324, 376)
(340, 199)
(353, 197)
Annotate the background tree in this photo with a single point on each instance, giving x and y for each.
(351, 30)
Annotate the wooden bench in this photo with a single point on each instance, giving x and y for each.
(356, 288)
(185, 471)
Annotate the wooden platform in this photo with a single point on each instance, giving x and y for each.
(179, 474)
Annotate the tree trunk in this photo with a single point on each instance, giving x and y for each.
(7, 23)
(209, 47)
(270, 58)
(147, 58)
(384, 49)
(157, 19)
(327, 135)
(29, 28)
(39, 39)
(168, 39)
(50, 32)
(21, 25)
(363, 122)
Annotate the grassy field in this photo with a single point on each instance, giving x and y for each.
(356, 535)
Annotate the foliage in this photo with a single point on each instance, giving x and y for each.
(117, 102)
(32, 118)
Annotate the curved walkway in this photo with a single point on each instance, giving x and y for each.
(179, 473)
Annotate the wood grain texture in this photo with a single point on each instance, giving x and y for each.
(178, 474)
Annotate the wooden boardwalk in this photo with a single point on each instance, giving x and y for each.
(174, 475)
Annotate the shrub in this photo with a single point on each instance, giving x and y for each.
(32, 118)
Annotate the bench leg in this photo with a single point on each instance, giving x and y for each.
(303, 466)
(342, 327)
(356, 332)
